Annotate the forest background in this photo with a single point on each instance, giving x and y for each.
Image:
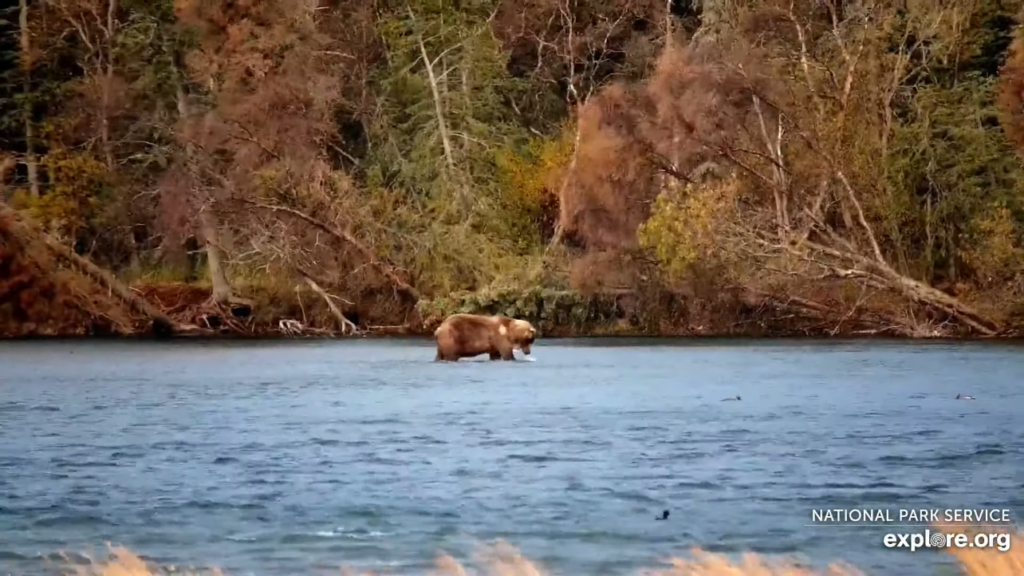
(816, 167)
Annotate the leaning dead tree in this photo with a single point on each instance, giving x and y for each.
(346, 325)
(799, 141)
(819, 243)
(35, 239)
(344, 238)
(800, 113)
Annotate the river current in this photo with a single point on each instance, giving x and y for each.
(303, 457)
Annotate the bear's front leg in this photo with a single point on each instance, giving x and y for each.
(505, 348)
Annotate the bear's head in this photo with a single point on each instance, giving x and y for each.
(522, 334)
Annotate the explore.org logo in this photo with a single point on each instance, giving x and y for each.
(929, 539)
(985, 528)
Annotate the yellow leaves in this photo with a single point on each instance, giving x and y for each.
(529, 179)
(528, 184)
(685, 225)
(76, 181)
(995, 250)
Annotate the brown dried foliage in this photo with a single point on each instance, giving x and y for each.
(38, 298)
(670, 125)
(26, 290)
(1011, 94)
(265, 67)
(611, 186)
(547, 38)
(603, 271)
(275, 88)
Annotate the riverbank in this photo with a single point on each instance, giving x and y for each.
(62, 307)
(48, 290)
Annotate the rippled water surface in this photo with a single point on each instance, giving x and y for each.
(298, 458)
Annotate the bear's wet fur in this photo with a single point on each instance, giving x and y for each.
(469, 335)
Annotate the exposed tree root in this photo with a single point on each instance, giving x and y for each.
(222, 294)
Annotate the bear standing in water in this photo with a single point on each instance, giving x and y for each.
(468, 335)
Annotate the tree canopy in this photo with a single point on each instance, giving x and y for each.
(861, 157)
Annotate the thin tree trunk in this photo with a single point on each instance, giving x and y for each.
(929, 254)
(442, 126)
(7, 164)
(133, 247)
(668, 183)
(26, 67)
(107, 85)
(222, 294)
(345, 324)
(564, 219)
(668, 25)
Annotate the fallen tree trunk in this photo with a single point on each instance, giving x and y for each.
(883, 275)
(871, 321)
(25, 230)
(345, 323)
(840, 258)
(929, 295)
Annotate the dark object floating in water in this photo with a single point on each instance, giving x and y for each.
(961, 397)
(730, 399)
(664, 516)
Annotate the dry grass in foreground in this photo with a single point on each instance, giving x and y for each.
(502, 559)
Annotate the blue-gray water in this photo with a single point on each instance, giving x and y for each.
(302, 457)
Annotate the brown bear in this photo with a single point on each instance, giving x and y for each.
(468, 335)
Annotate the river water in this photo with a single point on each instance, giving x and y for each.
(302, 457)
